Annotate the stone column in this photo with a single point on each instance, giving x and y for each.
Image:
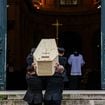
(102, 44)
(3, 40)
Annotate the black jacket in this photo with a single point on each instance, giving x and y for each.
(63, 62)
(29, 59)
(54, 88)
(34, 91)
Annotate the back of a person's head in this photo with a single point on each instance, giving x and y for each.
(61, 50)
(32, 50)
(76, 52)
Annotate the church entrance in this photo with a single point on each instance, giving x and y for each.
(91, 79)
(70, 40)
(69, 35)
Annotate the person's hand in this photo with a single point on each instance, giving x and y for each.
(34, 65)
(31, 73)
(56, 66)
(31, 69)
(59, 68)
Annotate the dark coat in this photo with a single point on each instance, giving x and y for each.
(63, 62)
(54, 88)
(29, 59)
(34, 91)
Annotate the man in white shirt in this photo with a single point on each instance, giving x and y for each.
(76, 62)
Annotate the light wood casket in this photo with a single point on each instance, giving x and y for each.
(45, 57)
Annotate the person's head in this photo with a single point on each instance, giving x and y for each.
(61, 51)
(32, 50)
(76, 52)
(59, 68)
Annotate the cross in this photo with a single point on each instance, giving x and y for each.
(57, 24)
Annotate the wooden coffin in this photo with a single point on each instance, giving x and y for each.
(45, 57)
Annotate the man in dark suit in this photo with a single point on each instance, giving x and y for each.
(54, 88)
(34, 94)
(63, 61)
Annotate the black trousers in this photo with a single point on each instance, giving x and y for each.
(57, 102)
(34, 104)
(75, 83)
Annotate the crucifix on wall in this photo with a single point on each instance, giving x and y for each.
(57, 24)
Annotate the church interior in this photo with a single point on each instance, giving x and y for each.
(29, 21)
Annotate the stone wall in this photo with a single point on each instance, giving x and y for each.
(69, 98)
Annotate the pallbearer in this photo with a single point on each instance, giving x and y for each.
(47, 66)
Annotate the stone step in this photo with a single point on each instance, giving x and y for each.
(69, 98)
(64, 102)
